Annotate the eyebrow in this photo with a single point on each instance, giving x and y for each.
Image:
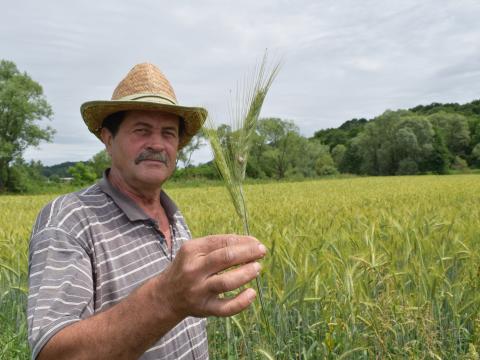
(168, 127)
(140, 123)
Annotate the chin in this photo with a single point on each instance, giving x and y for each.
(154, 175)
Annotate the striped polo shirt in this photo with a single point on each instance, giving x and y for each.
(88, 251)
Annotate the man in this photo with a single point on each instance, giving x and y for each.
(113, 273)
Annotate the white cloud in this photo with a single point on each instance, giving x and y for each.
(343, 58)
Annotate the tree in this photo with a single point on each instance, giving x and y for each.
(392, 142)
(476, 155)
(83, 174)
(455, 130)
(439, 159)
(274, 130)
(99, 162)
(22, 104)
(474, 126)
(370, 146)
(25, 177)
(459, 164)
(309, 158)
(341, 135)
(185, 154)
(407, 166)
(277, 146)
(324, 165)
(352, 160)
(338, 154)
(413, 144)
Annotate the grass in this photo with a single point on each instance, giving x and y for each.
(17, 217)
(358, 268)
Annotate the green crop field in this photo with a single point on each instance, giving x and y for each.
(362, 268)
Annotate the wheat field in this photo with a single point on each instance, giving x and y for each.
(360, 268)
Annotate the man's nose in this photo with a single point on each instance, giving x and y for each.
(156, 141)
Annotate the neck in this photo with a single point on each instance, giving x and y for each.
(147, 198)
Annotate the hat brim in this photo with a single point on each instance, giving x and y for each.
(94, 112)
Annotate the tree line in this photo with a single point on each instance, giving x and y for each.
(436, 138)
(426, 139)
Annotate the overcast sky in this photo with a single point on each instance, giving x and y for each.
(343, 59)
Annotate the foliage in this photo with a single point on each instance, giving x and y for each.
(338, 154)
(206, 171)
(440, 158)
(25, 177)
(342, 134)
(436, 138)
(99, 163)
(22, 104)
(468, 109)
(476, 155)
(429, 139)
(459, 164)
(276, 146)
(402, 142)
(279, 151)
(57, 170)
(281, 157)
(83, 174)
(454, 129)
(184, 155)
(87, 172)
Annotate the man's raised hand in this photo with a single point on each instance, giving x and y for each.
(202, 270)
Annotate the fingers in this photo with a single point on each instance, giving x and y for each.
(206, 267)
(232, 255)
(214, 242)
(231, 306)
(233, 279)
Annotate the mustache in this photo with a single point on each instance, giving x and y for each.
(150, 154)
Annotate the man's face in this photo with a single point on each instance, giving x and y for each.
(144, 150)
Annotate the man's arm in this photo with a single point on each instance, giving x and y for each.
(190, 286)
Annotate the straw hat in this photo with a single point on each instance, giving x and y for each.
(144, 88)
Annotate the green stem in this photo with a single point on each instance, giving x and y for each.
(258, 278)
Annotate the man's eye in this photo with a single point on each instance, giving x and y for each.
(141, 131)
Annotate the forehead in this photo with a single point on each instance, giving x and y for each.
(153, 118)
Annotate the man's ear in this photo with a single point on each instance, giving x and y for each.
(107, 138)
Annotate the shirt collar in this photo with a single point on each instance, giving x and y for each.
(129, 207)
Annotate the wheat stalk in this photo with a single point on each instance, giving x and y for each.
(231, 157)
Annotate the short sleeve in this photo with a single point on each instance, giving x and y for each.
(61, 289)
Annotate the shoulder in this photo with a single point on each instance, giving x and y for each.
(55, 227)
(67, 209)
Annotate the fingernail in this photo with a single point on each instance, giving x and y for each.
(251, 294)
(257, 267)
(262, 249)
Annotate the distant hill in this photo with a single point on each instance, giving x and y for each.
(469, 109)
(351, 128)
(59, 170)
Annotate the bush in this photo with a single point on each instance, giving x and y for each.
(203, 171)
(459, 164)
(327, 170)
(83, 174)
(407, 167)
(24, 177)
